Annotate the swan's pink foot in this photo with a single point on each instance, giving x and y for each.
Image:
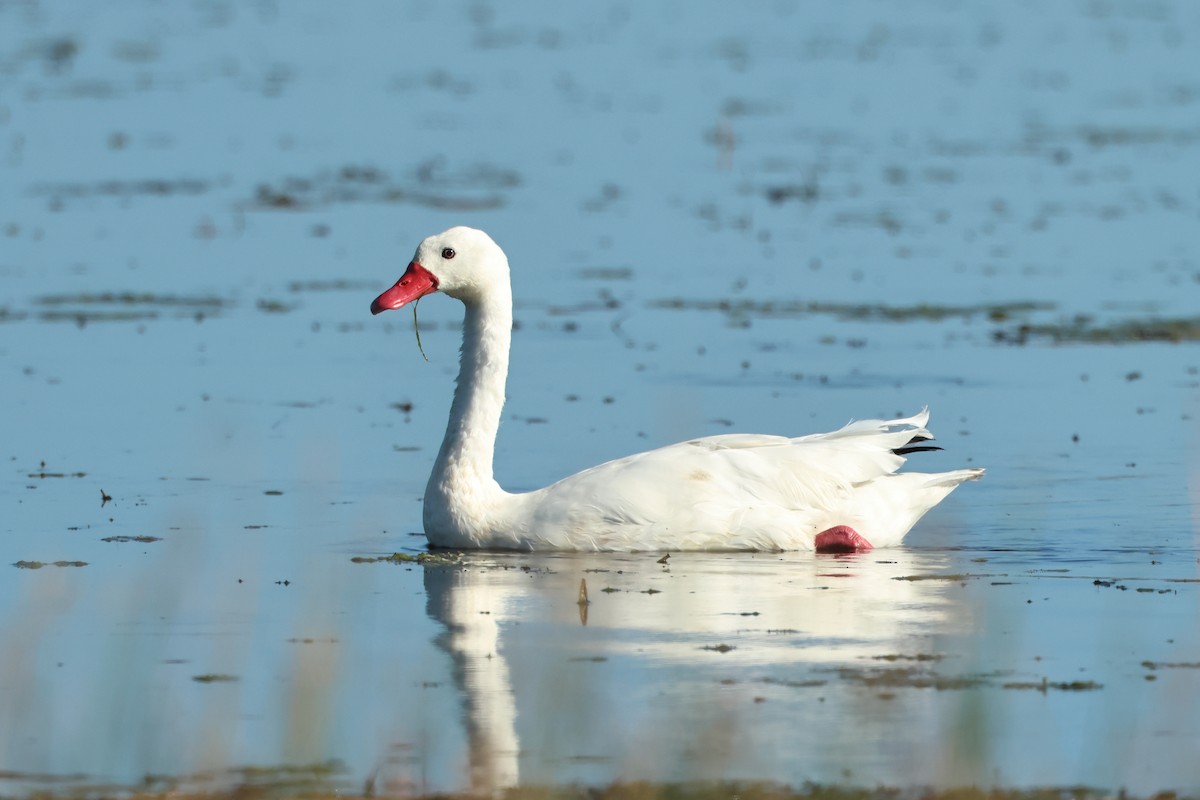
(842, 539)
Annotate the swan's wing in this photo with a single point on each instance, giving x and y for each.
(738, 490)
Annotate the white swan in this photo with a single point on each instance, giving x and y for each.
(836, 491)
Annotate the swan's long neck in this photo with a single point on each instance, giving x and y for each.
(462, 485)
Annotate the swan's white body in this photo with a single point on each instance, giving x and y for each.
(838, 490)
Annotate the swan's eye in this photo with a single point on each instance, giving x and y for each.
(448, 253)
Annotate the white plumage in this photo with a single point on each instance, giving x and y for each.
(835, 491)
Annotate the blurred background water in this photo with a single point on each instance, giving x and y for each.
(769, 217)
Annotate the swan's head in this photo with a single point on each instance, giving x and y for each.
(461, 262)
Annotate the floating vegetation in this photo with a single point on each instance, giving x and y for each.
(1045, 685)
(429, 558)
(315, 780)
(142, 539)
(131, 299)
(85, 307)
(146, 187)
(917, 657)
(1108, 584)
(804, 192)
(215, 677)
(1083, 329)
(478, 187)
(273, 306)
(805, 684)
(719, 648)
(747, 308)
(605, 273)
(40, 564)
(957, 577)
(1153, 665)
(920, 675)
(1113, 136)
(301, 781)
(57, 53)
(81, 318)
(340, 285)
(42, 475)
(913, 677)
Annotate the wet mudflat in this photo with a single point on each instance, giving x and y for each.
(771, 218)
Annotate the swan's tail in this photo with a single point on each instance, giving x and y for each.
(889, 507)
(955, 477)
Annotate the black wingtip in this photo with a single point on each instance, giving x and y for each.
(903, 451)
(913, 446)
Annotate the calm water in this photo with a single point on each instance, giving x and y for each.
(771, 218)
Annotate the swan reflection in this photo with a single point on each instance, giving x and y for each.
(554, 689)
(471, 608)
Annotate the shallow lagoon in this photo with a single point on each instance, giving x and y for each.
(769, 220)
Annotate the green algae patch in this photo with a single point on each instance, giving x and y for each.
(40, 564)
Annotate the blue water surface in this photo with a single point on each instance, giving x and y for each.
(767, 217)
